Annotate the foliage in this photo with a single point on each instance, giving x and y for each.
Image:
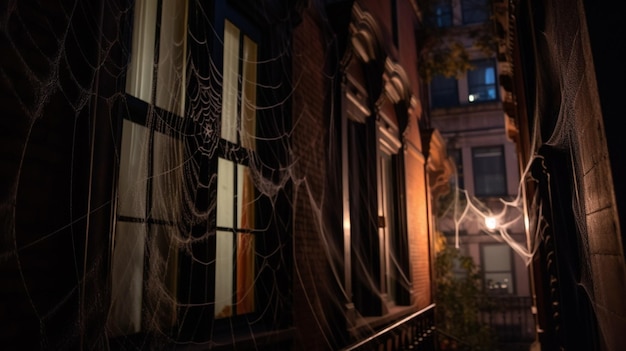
(460, 298)
(442, 50)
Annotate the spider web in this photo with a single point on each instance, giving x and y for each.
(51, 82)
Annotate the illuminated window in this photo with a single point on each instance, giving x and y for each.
(497, 262)
(235, 237)
(481, 81)
(150, 180)
(387, 214)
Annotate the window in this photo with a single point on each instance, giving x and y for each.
(475, 11)
(442, 13)
(481, 81)
(489, 171)
(150, 180)
(497, 268)
(444, 91)
(235, 236)
(387, 213)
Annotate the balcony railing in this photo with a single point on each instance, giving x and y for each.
(414, 332)
(511, 319)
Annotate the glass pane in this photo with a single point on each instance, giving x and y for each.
(170, 90)
(389, 215)
(489, 174)
(443, 13)
(248, 110)
(444, 91)
(225, 193)
(475, 11)
(127, 271)
(482, 82)
(499, 283)
(133, 171)
(245, 198)
(496, 258)
(140, 68)
(167, 184)
(163, 271)
(245, 273)
(230, 82)
(224, 256)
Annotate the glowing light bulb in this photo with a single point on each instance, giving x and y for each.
(491, 223)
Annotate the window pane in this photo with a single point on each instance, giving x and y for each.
(443, 13)
(245, 198)
(248, 109)
(389, 230)
(225, 193)
(133, 171)
(224, 254)
(230, 82)
(482, 82)
(141, 65)
(489, 172)
(499, 282)
(497, 268)
(475, 11)
(163, 271)
(444, 91)
(497, 258)
(127, 272)
(245, 273)
(170, 90)
(167, 180)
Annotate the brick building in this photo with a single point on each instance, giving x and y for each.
(215, 175)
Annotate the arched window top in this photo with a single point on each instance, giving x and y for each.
(366, 36)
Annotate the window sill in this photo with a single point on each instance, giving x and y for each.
(465, 108)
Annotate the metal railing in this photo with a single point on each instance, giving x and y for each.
(414, 332)
(510, 317)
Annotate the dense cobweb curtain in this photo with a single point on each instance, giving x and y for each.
(127, 266)
(165, 236)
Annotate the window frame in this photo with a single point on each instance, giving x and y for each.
(388, 190)
(443, 14)
(475, 13)
(447, 96)
(503, 171)
(140, 112)
(479, 68)
(197, 304)
(497, 290)
(241, 155)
